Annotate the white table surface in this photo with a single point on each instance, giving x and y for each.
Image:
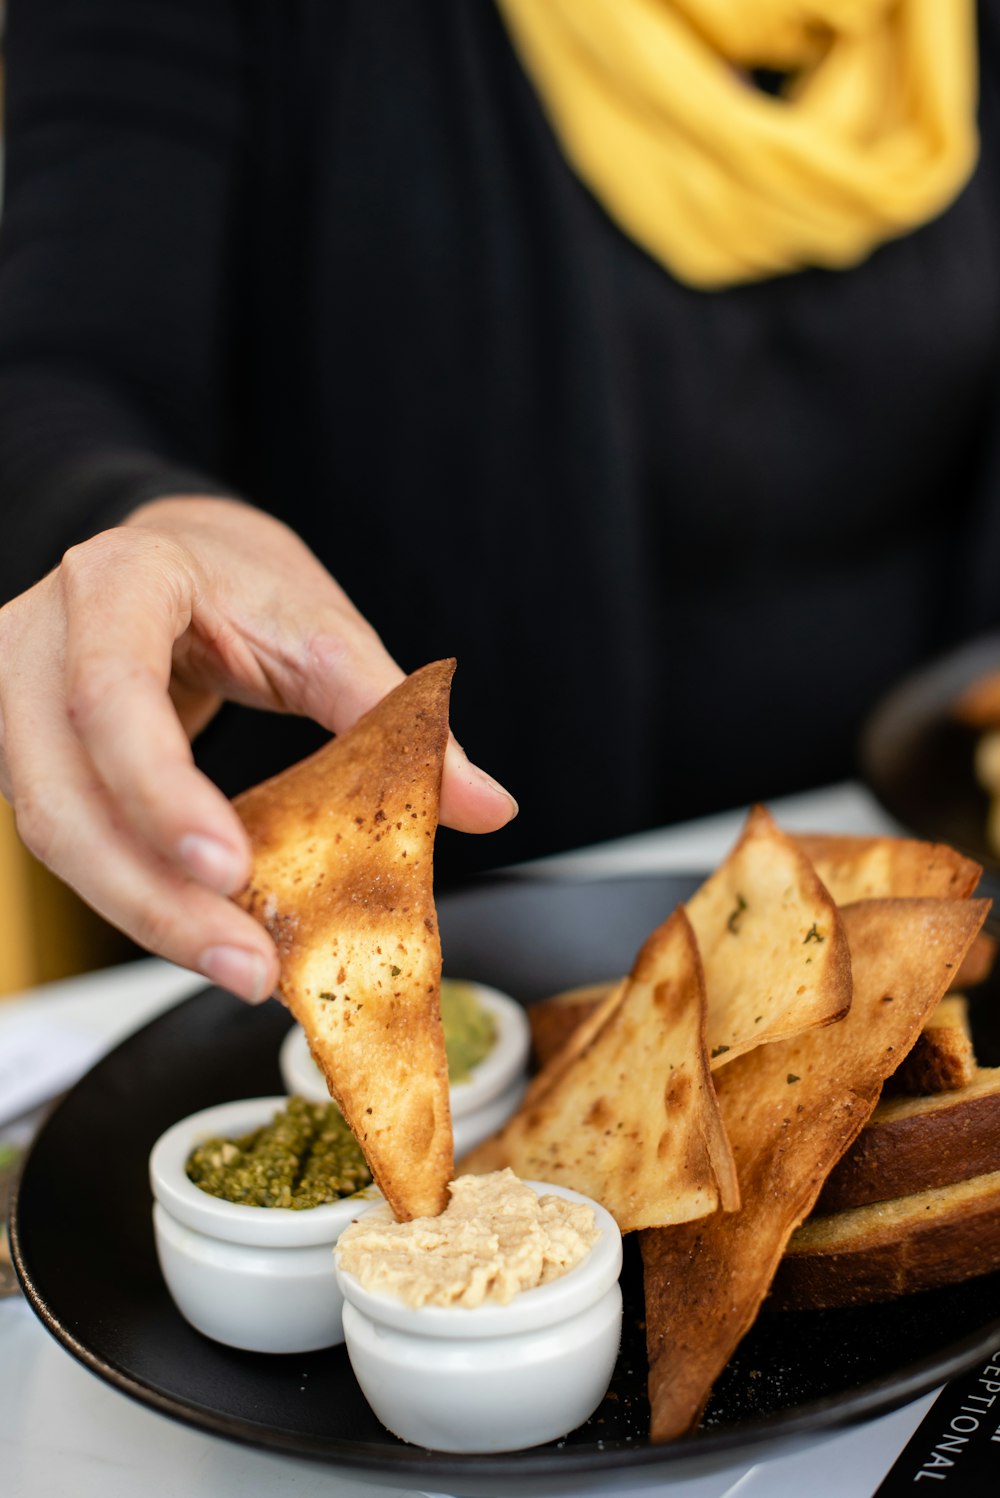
(63, 1431)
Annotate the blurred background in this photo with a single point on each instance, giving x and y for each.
(47, 932)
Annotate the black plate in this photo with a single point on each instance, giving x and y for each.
(83, 1247)
(919, 760)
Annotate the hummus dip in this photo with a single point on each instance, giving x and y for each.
(495, 1238)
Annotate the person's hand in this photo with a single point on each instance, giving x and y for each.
(113, 661)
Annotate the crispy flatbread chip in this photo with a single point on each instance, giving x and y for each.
(771, 942)
(978, 963)
(576, 1039)
(633, 1120)
(554, 1019)
(791, 1110)
(342, 879)
(876, 868)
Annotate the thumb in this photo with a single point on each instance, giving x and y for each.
(471, 800)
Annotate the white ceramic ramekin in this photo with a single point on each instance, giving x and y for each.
(496, 1377)
(480, 1106)
(260, 1278)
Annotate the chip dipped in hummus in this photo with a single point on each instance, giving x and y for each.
(496, 1237)
(342, 879)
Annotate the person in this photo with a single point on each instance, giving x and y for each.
(643, 356)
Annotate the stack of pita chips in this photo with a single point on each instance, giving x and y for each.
(821, 959)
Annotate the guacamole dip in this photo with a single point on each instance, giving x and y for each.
(304, 1157)
(470, 1031)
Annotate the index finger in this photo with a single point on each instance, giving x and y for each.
(127, 600)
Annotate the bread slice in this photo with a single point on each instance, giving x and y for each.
(943, 1058)
(342, 879)
(935, 1237)
(916, 1143)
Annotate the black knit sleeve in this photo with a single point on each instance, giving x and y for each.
(124, 155)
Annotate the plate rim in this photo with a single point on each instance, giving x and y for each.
(918, 694)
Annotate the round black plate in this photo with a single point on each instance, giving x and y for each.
(83, 1246)
(918, 759)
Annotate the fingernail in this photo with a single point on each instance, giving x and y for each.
(212, 863)
(243, 972)
(495, 785)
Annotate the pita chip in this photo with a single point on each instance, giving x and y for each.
(593, 1017)
(790, 1111)
(343, 880)
(631, 1119)
(875, 868)
(772, 944)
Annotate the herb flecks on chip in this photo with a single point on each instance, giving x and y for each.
(769, 984)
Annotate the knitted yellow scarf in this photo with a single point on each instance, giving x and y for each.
(653, 103)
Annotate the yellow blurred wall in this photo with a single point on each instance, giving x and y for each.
(46, 932)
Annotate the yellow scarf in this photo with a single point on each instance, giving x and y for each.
(720, 182)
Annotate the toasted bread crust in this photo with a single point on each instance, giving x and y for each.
(943, 1059)
(936, 1237)
(915, 1144)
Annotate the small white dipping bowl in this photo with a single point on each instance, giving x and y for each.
(480, 1106)
(261, 1278)
(496, 1377)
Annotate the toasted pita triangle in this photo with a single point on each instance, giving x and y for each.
(771, 942)
(790, 1110)
(632, 1119)
(343, 880)
(876, 868)
(576, 1041)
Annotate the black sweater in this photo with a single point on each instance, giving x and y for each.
(326, 254)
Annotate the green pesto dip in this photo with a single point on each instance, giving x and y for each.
(304, 1157)
(470, 1031)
